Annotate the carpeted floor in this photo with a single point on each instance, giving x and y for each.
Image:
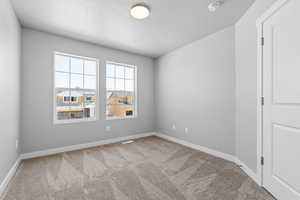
(148, 169)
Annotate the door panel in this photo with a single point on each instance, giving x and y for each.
(281, 112)
(286, 61)
(286, 142)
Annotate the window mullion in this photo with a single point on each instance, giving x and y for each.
(124, 89)
(115, 78)
(70, 81)
(134, 91)
(83, 87)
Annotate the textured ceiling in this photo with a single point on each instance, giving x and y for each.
(172, 23)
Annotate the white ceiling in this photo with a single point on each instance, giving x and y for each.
(172, 23)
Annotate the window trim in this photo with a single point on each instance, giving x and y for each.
(97, 104)
(135, 110)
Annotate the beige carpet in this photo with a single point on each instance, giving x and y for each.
(148, 169)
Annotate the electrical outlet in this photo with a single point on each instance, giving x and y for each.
(17, 144)
(107, 128)
(173, 127)
(186, 130)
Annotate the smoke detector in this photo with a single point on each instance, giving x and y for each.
(215, 4)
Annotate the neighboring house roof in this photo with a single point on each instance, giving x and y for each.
(75, 92)
(120, 93)
(70, 93)
(114, 98)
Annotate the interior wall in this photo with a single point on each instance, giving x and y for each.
(196, 96)
(37, 129)
(195, 89)
(9, 86)
(246, 83)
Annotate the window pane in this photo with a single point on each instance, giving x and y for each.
(90, 67)
(110, 110)
(120, 84)
(76, 107)
(110, 70)
(90, 82)
(62, 63)
(129, 85)
(76, 81)
(90, 104)
(110, 84)
(108, 96)
(130, 98)
(76, 65)
(120, 72)
(62, 103)
(129, 73)
(61, 80)
(119, 104)
(62, 95)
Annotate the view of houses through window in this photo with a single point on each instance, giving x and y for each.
(75, 87)
(120, 90)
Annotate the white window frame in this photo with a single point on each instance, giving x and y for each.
(97, 105)
(135, 109)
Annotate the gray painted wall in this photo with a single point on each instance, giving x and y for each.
(9, 86)
(246, 83)
(37, 129)
(195, 89)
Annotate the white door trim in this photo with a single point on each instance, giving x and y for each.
(259, 23)
(259, 110)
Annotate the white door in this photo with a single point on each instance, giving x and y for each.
(281, 112)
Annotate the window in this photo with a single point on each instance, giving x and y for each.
(120, 91)
(89, 98)
(71, 99)
(75, 88)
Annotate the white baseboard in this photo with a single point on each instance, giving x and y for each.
(9, 176)
(248, 171)
(14, 168)
(225, 156)
(82, 146)
(219, 154)
(199, 147)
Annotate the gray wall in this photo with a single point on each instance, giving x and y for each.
(37, 129)
(246, 83)
(9, 86)
(195, 88)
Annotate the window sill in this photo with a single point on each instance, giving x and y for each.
(120, 118)
(73, 121)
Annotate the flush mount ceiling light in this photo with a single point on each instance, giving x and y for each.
(215, 4)
(140, 11)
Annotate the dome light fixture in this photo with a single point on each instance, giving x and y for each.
(140, 11)
(213, 6)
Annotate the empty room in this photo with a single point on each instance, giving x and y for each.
(149, 100)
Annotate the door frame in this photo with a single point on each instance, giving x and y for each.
(259, 101)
